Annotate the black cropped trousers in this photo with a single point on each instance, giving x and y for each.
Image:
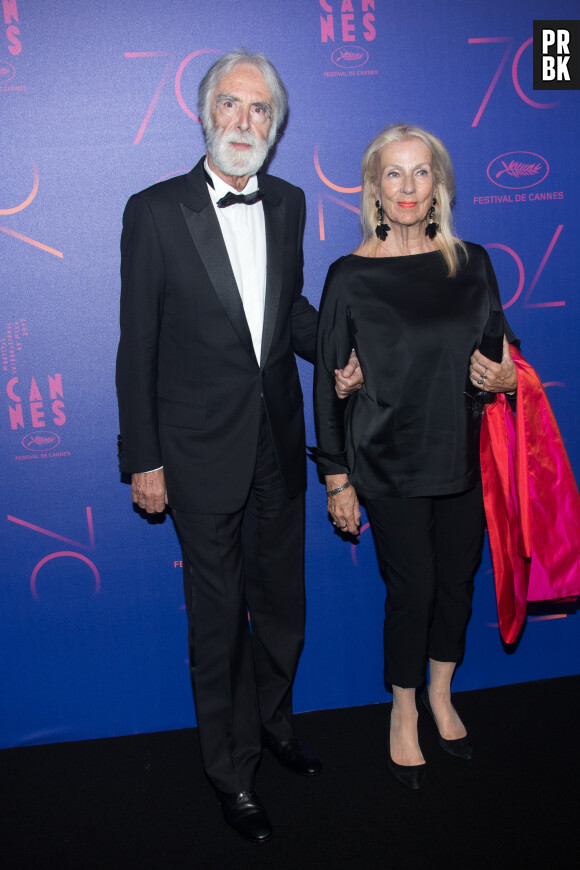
(428, 549)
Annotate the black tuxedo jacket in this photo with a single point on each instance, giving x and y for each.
(188, 381)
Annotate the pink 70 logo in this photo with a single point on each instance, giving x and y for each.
(508, 40)
(61, 553)
(163, 79)
(536, 278)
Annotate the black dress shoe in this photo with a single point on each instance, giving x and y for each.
(411, 775)
(245, 814)
(460, 748)
(294, 755)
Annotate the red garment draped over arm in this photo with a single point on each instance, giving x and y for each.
(531, 502)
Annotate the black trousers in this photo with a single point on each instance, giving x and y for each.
(428, 551)
(244, 592)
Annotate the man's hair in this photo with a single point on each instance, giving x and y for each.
(443, 191)
(223, 65)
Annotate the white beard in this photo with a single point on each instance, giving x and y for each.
(230, 161)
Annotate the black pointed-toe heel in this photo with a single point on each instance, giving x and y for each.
(410, 775)
(460, 748)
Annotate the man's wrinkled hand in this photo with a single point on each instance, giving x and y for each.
(349, 379)
(148, 491)
(343, 508)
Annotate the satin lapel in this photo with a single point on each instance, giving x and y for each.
(274, 216)
(207, 237)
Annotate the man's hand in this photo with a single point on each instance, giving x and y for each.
(343, 507)
(349, 379)
(148, 491)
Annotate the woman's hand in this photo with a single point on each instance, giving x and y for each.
(343, 507)
(492, 377)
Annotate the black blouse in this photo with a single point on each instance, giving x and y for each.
(412, 429)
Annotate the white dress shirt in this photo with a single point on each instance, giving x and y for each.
(244, 232)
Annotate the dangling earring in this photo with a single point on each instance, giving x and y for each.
(432, 225)
(381, 229)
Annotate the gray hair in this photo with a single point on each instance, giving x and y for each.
(224, 65)
(444, 190)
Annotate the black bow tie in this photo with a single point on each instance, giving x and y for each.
(247, 198)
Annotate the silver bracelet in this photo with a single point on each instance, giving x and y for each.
(338, 489)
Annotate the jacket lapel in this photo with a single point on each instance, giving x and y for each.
(204, 229)
(274, 216)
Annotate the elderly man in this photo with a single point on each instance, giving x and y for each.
(212, 419)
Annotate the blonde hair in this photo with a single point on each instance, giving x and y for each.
(444, 189)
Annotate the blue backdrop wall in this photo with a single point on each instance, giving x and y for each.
(97, 101)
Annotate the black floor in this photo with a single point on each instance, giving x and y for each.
(142, 802)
